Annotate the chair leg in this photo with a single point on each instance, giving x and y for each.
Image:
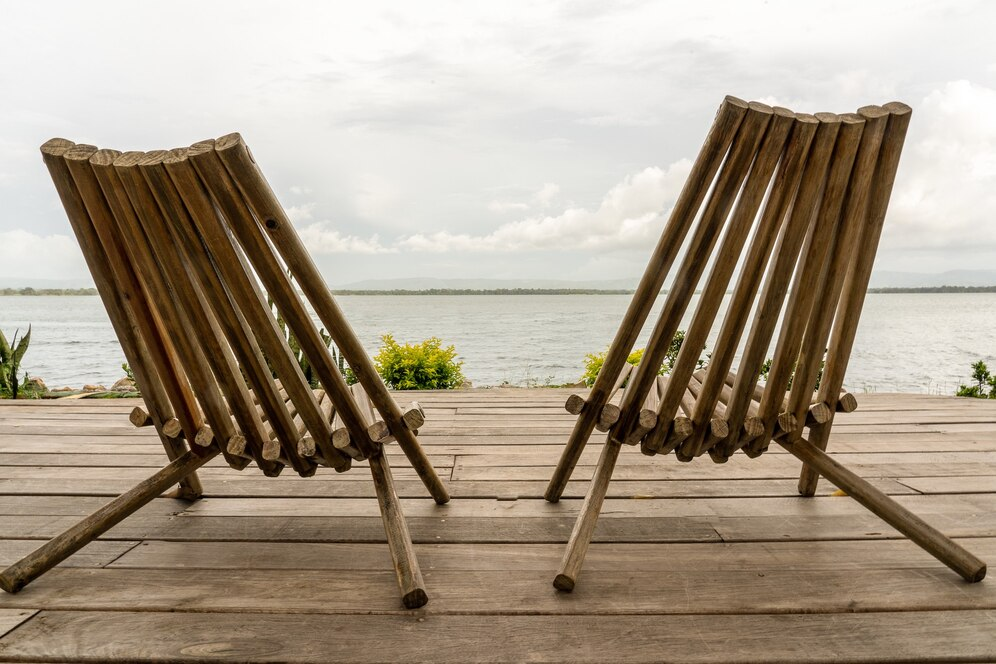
(584, 527)
(190, 487)
(926, 536)
(398, 538)
(583, 427)
(809, 478)
(420, 462)
(23, 572)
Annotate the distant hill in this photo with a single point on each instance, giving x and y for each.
(429, 283)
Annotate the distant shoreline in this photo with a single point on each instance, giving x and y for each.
(501, 291)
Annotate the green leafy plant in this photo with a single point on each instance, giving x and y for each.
(593, 361)
(128, 372)
(766, 369)
(983, 380)
(10, 363)
(422, 366)
(298, 352)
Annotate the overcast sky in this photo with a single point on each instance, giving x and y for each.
(497, 139)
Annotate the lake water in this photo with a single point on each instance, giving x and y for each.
(906, 342)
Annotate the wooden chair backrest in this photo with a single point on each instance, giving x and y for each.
(185, 248)
(814, 189)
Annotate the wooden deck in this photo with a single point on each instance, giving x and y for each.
(692, 562)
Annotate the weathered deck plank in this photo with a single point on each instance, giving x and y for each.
(295, 569)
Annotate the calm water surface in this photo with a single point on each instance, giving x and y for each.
(906, 342)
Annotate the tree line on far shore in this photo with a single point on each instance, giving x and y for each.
(506, 291)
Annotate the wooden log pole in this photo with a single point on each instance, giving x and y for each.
(720, 137)
(798, 338)
(700, 247)
(784, 257)
(925, 536)
(274, 277)
(235, 277)
(783, 193)
(148, 372)
(266, 208)
(50, 554)
(735, 231)
(177, 298)
(584, 527)
(399, 540)
(859, 273)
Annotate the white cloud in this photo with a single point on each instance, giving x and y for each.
(299, 213)
(945, 193)
(320, 238)
(26, 255)
(300, 190)
(546, 194)
(502, 206)
(629, 215)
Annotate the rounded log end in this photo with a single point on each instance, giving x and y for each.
(820, 413)
(608, 416)
(79, 153)
(139, 417)
(787, 422)
(236, 445)
(271, 450)
(847, 403)
(753, 426)
(851, 119)
(152, 158)
(872, 112)
(415, 599)
(175, 156)
(647, 418)
(204, 436)
(128, 159)
(760, 107)
(200, 147)
(899, 108)
(103, 158)
(564, 583)
(783, 112)
(228, 141)
(172, 428)
(730, 100)
(973, 577)
(647, 450)
(828, 118)
(574, 404)
(719, 428)
(807, 118)
(56, 147)
(442, 498)
(11, 584)
(682, 428)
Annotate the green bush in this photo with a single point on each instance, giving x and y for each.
(422, 366)
(10, 363)
(983, 380)
(593, 361)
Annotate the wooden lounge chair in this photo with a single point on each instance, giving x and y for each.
(181, 245)
(815, 191)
